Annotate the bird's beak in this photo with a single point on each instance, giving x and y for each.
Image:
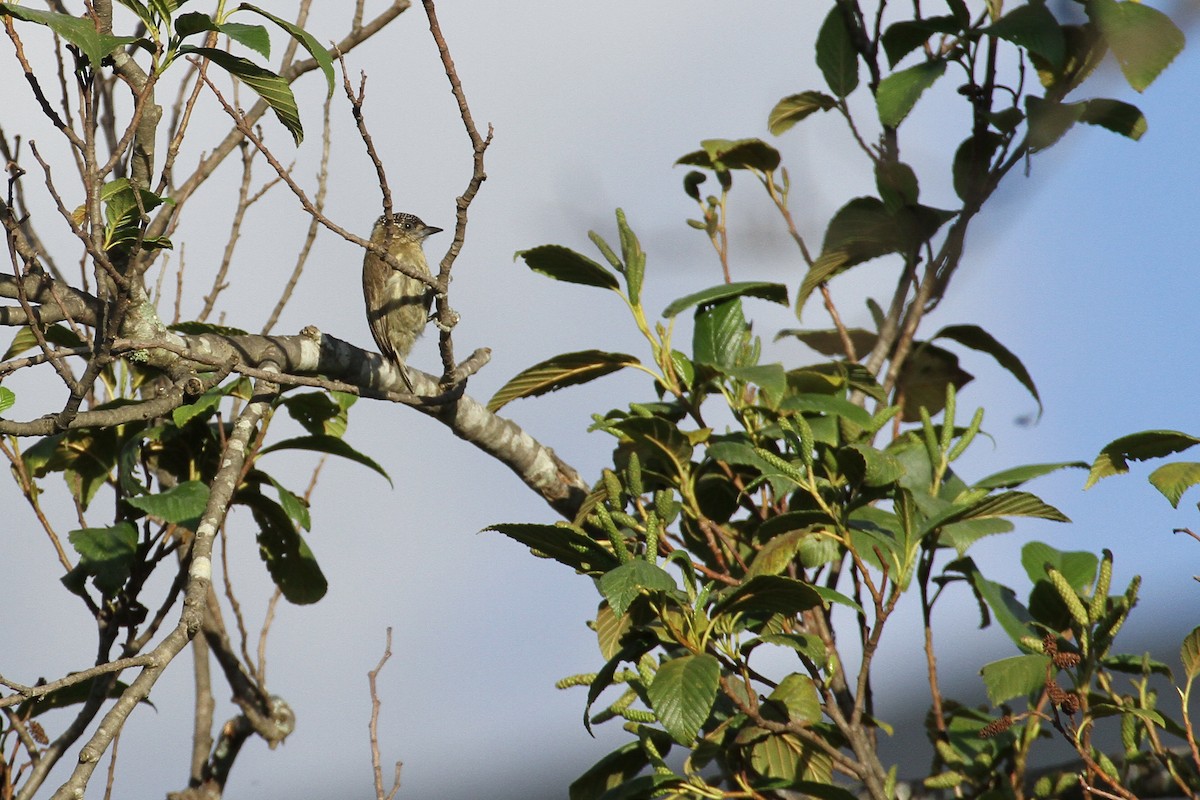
(430, 231)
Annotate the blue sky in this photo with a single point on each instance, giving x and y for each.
(1085, 268)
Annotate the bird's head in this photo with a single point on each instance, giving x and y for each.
(401, 228)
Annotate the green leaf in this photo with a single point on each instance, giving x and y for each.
(204, 403)
(897, 184)
(326, 444)
(306, 40)
(106, 554)
(1049, 121)
(1033, 27)
(778, 553)
(1115, 115)
(1005, 504)
(290, 562)
(1113, 458)
(1018, 676)
(616, 769)
(829, 341)
(635, 645)
(899, 92)
(859, 231)
(723, 155)
(564, 264)
(797, 694)
(318, 412)
(293, 505)
(1189, 654)
(1078, 566)
(1143, 39)
(253, 36)
(774, 292)
(833, 406)
(24, 340)
(79, 31)
(901, 38)
(682, 694)
(7, 399)
(179, 504)
(269, 86)
(567, 369)
(977, 338)
(635, 259)
(622, 585)
(1175, 479)
(972, 163)
(773, 594)
(1013, 617)
(720, 334)
(770, 378)
(562, 543)
(793, 108)
(1015, 476)
(836, 55)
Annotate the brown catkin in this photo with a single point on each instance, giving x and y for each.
(996, 726)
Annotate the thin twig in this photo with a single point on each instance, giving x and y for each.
(376, 766)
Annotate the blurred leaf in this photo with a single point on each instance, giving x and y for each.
(860, 230)
(833, 406)
(829, 342)
(1015, 476)
(836, 55)
(1018, 676)
(1189, 654)
(269, 86)
(179, 504)
(1034, 28)
(293, 505)
(1013, 617)
(1175, 479)
(567, 369)
(326, 444)
(204, 403)
(797, 694)
(194, 328)
(977, 338)
(793, 108)
(306, 40)
(924, 377)
(617, 769)
(73, 695)
(1084, 49)
(1077, 566)
(1113, 458)
(682, 694)
(1049, 121)
(1115, 115)
(562, 543)
(317, 412)
(106, 554)
(972, 162)
(622, 585)
(769, 378)
(1143, 39)
(899, 92)
(902, 37)
(60, 335)
(723, 155)
(79, 31)
(564, 264)
(7, 399)
(774, 292)
(778, 553)
(897, 184)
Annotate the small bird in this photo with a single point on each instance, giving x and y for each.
(397, 305)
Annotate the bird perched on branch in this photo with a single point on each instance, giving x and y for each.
(397, 305)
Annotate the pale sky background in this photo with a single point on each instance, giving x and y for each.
(1085, 269)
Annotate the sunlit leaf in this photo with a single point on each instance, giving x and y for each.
(567, 369)
(682, 694)
(793, 108)
(1114, 457)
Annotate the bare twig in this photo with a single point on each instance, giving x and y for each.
(376, 766)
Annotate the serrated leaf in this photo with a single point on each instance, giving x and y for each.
(564, 264)
(326, 444)
(79, 31)
(1175, 479)
(1015, 476)
(720, 334)
(836, 55)
(1143, 39)
(778, 553)
(899, 92)
(1018, 676)
(269, 86)
(1034, 28)
(859, 231)
(793, 108)
(977, 338)
(567, 369)
(562, 543)
(253, 36)
(622, 585)
(797, 694)
(682, 694)
(1049, 121)
(1005, 504)
(181, 503)
(306, 40)
(1113, 458)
